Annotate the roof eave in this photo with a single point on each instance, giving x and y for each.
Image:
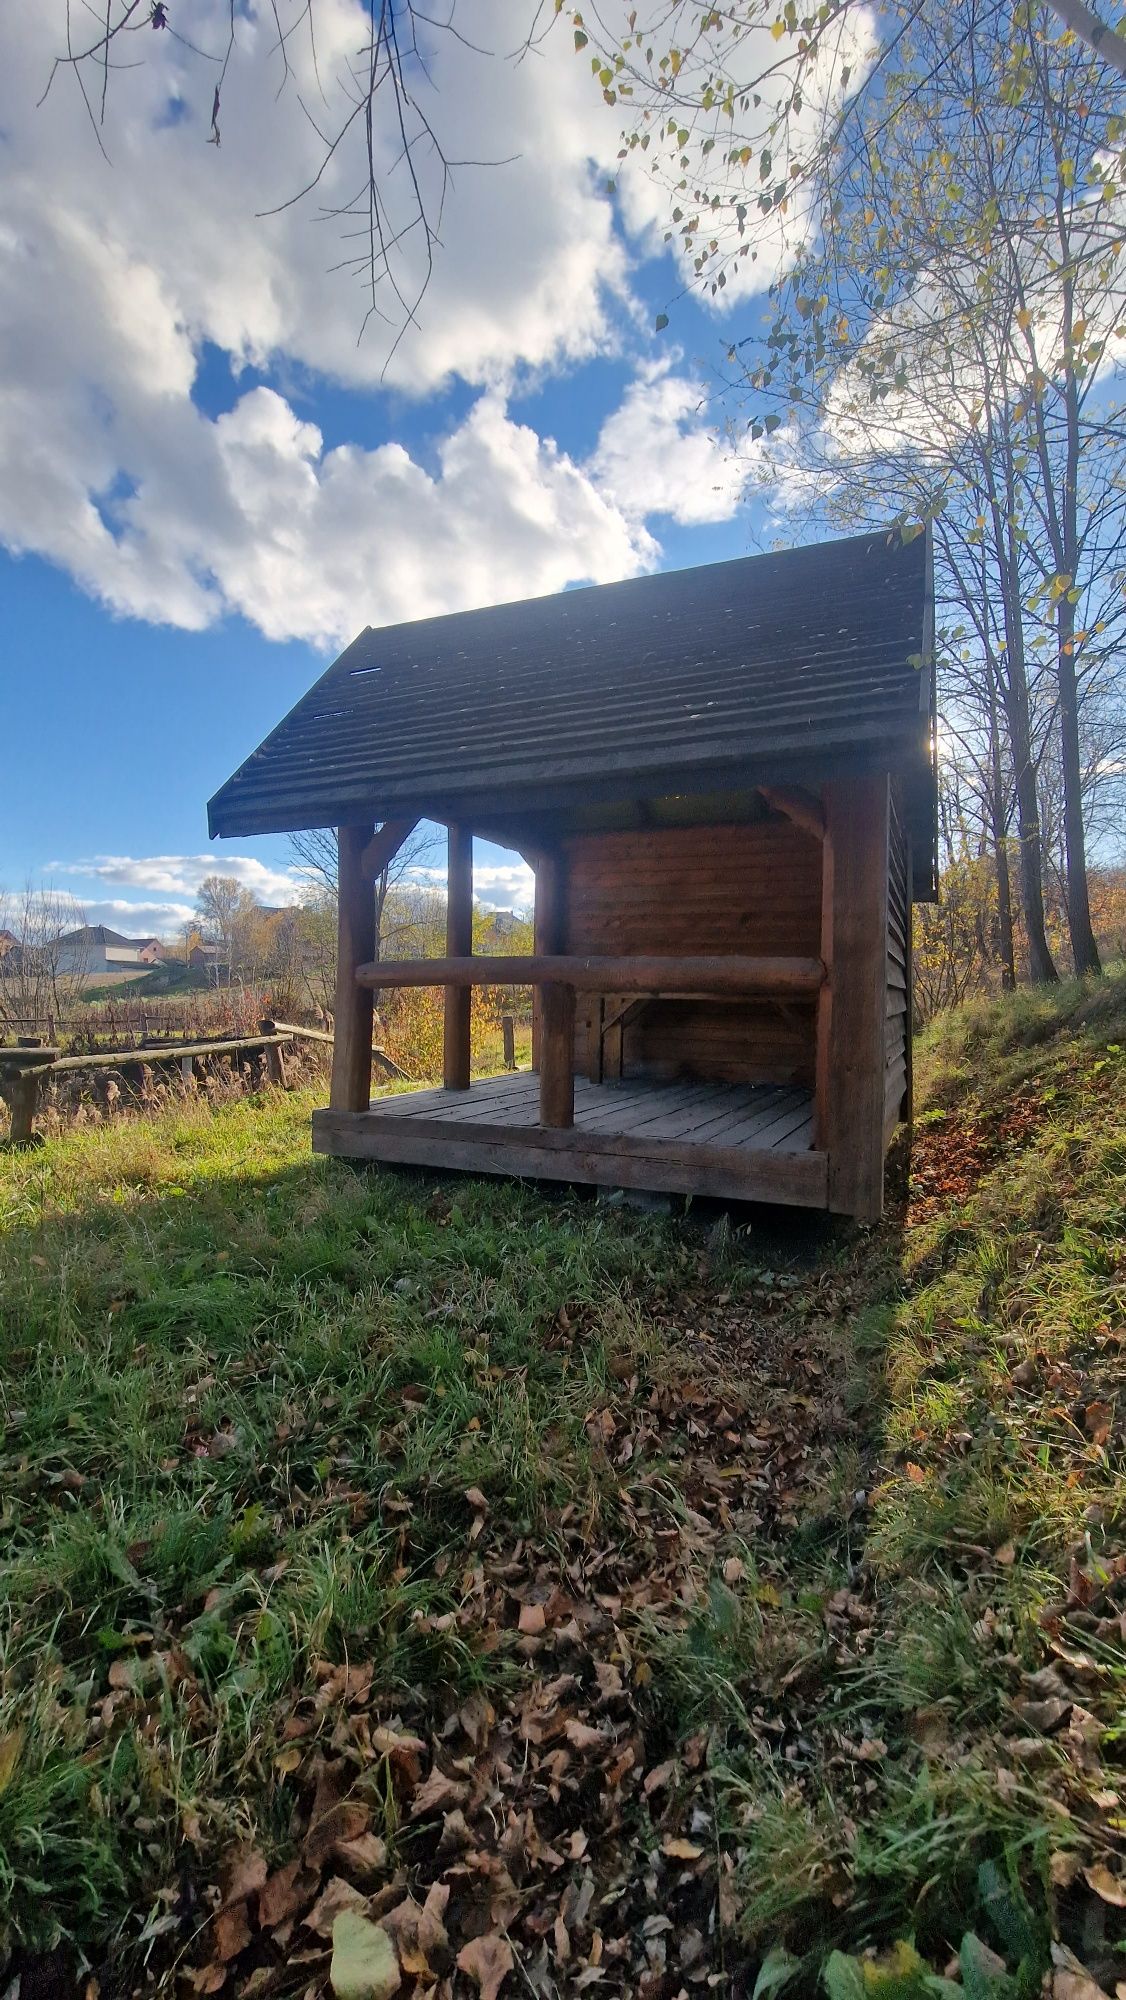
(902, 750)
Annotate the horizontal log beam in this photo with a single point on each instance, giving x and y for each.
(707, 977)
(143, 1058)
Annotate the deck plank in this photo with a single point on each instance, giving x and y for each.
(688, 1128)
(706, 1130)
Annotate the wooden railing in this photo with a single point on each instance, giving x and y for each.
(559, 976)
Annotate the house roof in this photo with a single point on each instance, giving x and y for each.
(94, 934)
(100, 934)
(690, 679)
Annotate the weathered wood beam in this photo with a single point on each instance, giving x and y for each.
(849, 1100)
(459, 945)
(142, 1058)
(20, 1090)
(364, 852)
(549, 922)
(557, 1055)
(803, 808)
(384, 844)
(707, 977)
(350, 1089)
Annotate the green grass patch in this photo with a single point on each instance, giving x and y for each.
(759, 1589)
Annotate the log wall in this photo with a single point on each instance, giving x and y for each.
(897, 1076)
(690, 891)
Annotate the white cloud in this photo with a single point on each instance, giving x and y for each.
(163, 920)
(504, 885)
(251, 514)
(528, 248)
(658, 454)
(497, 885)
(113, 277)
(181, 875)
(67, 910)
(725, 151)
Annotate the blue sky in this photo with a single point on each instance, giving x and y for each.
(209, 486)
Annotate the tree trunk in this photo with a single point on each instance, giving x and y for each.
(1084, 950)
(1041, 965)
(1000, 850)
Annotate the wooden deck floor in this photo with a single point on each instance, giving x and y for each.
(746, 1141)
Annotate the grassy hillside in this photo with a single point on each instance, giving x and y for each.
(584, 1599)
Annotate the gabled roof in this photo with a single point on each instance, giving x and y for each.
(95, 934)
(689, 679)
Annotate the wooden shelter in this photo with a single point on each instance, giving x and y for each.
(724, 781)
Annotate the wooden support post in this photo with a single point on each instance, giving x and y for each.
(594, 1021)
(351, 1048)
(275, 1057)
(22, 1093)
(907, 1107)
(548, 930)
(508, 1032)
(852, 1009)
(557, 1055)
(459, 944)
(187, 1068)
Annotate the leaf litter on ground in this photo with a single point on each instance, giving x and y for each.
(738, 1601)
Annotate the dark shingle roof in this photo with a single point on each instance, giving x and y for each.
(96, 934)
(680, 677)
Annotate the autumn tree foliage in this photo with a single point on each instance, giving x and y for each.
(944, 206)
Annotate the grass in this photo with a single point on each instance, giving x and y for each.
(770, 1579)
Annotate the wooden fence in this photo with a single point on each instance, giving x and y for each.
(26, 1067)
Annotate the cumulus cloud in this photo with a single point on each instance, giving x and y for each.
(181, 875)
(144, 918)
(251, 514)
(658, 454)
(177, 877)
(497, 885)
(113, 276)
(163, 920)
(529, 251)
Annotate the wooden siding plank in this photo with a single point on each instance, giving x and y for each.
(728, 889)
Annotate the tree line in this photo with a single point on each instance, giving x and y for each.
(942, 349)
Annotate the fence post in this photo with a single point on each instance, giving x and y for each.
(508, 1030)
(275, 1060)
(19, 1085)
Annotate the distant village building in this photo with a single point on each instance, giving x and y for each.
(94, 948)
(205, 957)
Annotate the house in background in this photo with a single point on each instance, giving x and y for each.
(94, 948)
